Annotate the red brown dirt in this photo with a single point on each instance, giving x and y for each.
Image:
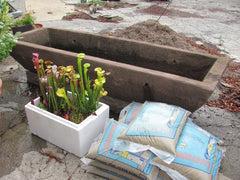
(158, 9)
(230, 89)
(83, 15)
(77, 15)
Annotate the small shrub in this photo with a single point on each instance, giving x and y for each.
(7, 38)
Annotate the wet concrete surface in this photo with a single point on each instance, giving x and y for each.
(226, 126)
(19, 149)
(15, 137)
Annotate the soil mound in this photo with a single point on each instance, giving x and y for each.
(152, 31)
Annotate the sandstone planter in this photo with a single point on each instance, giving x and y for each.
(74, 138)
(139, 70)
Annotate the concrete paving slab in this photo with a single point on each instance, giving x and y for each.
(214, 21)
(34, 166)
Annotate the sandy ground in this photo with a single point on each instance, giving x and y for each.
(48, 10)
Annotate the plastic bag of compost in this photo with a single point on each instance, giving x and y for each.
(134, 163)
(130, 112)
(116, 171)
(157, 126)
(198, 156)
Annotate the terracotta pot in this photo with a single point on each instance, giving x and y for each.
(38, 25)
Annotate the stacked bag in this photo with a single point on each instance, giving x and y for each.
(155, 141)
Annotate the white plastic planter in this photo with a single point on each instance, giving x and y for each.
(74, 138)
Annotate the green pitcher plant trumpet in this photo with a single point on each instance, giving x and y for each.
(55, 81)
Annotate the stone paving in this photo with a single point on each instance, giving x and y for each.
(19, 150)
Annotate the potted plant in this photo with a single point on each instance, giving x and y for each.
(7, 38)
(24, 23)
(69, 119)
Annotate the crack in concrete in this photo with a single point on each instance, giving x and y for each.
(66, 167)
(70, 176)
(45, 177)
(10, 128)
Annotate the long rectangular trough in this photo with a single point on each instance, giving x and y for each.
(139, 70)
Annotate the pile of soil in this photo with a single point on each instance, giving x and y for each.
(77, 15)
(83, 15)
(109, 19)
(153, 32)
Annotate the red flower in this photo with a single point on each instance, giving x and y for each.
(36, 60)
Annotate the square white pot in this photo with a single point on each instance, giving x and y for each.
(74, 138)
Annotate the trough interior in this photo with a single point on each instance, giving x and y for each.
(142, 54)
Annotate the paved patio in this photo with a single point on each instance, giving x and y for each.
(19, 150)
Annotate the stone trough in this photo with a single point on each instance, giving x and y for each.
(139, 70)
